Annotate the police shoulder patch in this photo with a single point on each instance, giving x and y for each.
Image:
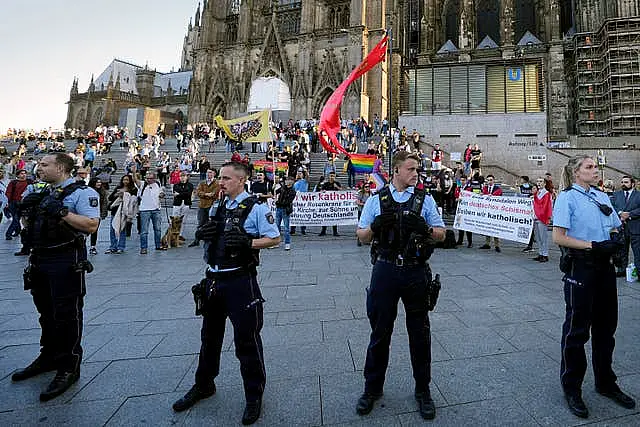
(270, 218)
(93, 202)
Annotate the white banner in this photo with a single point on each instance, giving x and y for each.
(323, 208)
(509, 218)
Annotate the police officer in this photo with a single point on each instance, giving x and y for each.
(403, 223)
(64, 214)
(585, 227)
(25, 215)
(238, 228)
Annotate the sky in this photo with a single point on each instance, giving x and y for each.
(44, 44)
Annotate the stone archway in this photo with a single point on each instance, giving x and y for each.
(96, 118)
(78, 121)
(271, 93)
(320, 100)
(217, 107)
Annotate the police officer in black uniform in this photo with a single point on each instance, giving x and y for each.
(404, 224)
(237, 229)
(587, 229)
(62, 215)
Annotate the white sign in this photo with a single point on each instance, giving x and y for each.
(456, 156)
(537, 157)
(323, 208)
(509, 218)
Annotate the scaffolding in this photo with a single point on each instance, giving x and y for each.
(606, 79)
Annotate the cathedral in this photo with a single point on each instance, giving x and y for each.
(567, 67)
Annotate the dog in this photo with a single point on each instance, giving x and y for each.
(171, 238)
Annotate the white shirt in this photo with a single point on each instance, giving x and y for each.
(150, 200)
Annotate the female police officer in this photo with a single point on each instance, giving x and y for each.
(64, 214)
(586, 226)
(403, 222)
(236, 231)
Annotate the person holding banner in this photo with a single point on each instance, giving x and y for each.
(543, 208)
(586, 227)
(404, 224)
(492, 189)
(331, 185)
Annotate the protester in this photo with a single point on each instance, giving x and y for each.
(207, 192)
(543, 209)
(285, 195)
(14, 195)
(182, 200)
(97, 185)
(149, 195)
(492, 189)
(300, 186)
(123, 205)
(331, 185)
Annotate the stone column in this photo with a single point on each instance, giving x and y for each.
(507, 18)
(467, 37)
(308, 16)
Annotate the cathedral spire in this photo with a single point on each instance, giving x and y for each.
(198, 16)
(110, 84)
(118, 81)
(190, 25)
(92, 86)
(74, 86)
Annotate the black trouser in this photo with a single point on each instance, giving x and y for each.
(461, 234)
(334, 227)
(303, 228)
(592, 304)
(58, 294)
(237, 297)
(389, 284)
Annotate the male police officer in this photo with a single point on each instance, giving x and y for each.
(63, 215)
(403, 223)
(238, 228)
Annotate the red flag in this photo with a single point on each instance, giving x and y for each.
(330, 116)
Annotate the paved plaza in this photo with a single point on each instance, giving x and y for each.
(495, 331)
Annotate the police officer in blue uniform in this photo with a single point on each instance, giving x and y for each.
(63, 214)
(403, 222)
(586, 228)
(237, 229)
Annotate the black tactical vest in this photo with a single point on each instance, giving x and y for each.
(526, 189)
(217, 253)
(396, 241)
(47, 232)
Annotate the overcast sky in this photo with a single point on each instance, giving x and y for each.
(45, 43)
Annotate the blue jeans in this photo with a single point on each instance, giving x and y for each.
(145, 216)
(14, 227)
(281, 215)
(117, 243)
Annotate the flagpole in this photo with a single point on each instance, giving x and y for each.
(390, 84)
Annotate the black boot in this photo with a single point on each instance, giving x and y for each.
(37, 367)
(576, 404)
(426, 407)
(366, 401)
(252, 412)
(61, 382)
(192, 397)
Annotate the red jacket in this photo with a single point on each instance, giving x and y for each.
(543, 207)
(497, 191)
(16, 188)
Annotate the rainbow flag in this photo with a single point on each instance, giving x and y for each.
(362, 163)
(267, 167)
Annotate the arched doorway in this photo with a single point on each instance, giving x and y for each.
(217, 108)
(78, 121)
(320, 100)
(270, 93)
(97, 118)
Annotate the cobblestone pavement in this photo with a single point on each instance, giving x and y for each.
(496, 334)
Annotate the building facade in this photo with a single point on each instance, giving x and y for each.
(122, 86)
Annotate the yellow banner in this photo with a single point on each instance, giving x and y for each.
(251, 128)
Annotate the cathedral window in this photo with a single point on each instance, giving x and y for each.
(234, 7)
(525, 18)
(488, 19)
(289, 15)
(451, 18)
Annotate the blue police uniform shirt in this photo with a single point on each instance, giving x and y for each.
(577, 211)
(83, 201)
(372, 208)
(259, 221)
